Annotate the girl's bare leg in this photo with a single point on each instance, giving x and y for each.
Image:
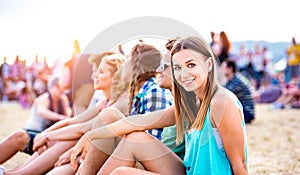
(45, 161)
(62, 170)
(124, 170)
(13, 144)
(100, 150)
(150, 152)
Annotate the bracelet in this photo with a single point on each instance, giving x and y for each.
(46, 137)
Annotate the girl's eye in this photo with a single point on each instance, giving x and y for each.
(190, 65)
(177, 68)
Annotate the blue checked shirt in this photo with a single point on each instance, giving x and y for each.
(150, 98)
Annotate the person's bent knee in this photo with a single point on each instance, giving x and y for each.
(109, 115)
(139, 136)
(21, 138)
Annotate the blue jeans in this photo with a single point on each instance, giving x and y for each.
(291, 72)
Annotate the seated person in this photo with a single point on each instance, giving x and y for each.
(271, 92)
(290, 94)
(107, 75)
(236, 85)
(47, 109)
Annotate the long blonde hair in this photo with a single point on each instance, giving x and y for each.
(118, 86)
(187, 112)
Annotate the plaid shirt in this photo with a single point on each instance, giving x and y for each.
(150, 98)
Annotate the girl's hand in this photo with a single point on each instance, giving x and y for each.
(40, 143)
(64, 158)
(80, 149)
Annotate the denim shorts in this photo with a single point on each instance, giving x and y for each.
(31, 134)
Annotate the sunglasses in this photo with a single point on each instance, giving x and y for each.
(164, 65)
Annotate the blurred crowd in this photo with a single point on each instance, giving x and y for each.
(23, 82)
(270, 80)
(256, 65)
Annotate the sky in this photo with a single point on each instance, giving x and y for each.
(49, 27)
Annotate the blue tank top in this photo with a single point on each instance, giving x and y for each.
(204, 155)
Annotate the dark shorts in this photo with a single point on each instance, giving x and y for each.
(31, 134)
(248, 116)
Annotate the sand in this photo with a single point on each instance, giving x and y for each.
(273, 138)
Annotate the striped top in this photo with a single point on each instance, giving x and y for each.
(241, 89)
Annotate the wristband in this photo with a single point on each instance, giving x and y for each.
(46, 137)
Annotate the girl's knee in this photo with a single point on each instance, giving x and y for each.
(139, 136)
(109, 115)
(21, 138)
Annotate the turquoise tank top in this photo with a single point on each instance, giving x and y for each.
(204, 155)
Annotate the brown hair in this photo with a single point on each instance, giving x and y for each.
(225, 42)
(187, 112)
(145, 59)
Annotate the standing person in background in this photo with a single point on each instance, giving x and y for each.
(242, 61)
(16, 70)
(212, 36)
(5, 75)
(268, 65)
(36, 67)
(293, 53)
(257, 62)
(240, 88)
(225, 47)
(221, 46)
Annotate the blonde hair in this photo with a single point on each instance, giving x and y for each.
(118, 86)
(115, 62)
(187, 112)
(97, 58)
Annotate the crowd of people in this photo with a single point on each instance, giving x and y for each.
(19, 81)
(256, 65)
(180, 109)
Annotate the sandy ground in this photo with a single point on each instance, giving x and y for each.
(273, 138)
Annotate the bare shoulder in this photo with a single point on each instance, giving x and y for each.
(42, 98)
(223, 105)
(222, 98)
(64, 97)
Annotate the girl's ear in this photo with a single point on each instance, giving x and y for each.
(209, 64)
